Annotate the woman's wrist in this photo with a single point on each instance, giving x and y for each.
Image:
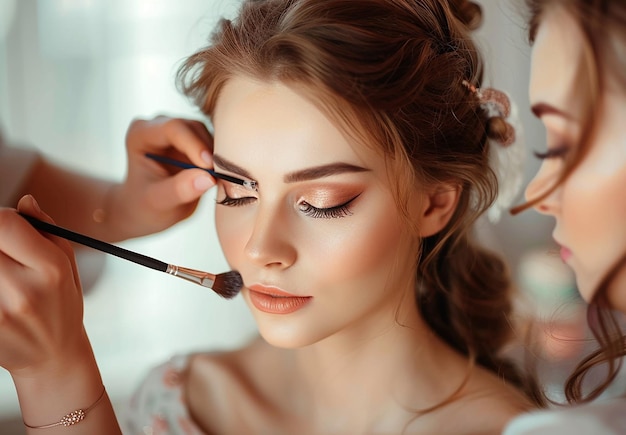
(73, 417)
(50, 390)
(110, 218)
(79, 400)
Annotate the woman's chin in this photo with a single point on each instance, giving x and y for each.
(282, 336)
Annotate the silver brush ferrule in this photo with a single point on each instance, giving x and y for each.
(197, 276)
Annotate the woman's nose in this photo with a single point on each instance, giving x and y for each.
(543, 181)
(271, 243)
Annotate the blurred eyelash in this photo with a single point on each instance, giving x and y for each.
(338, 211)
(553, 153)
(236, 202)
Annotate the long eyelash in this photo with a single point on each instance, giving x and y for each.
(236, 202)
(338, 211)
(559, 151)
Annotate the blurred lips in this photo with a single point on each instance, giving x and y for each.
(275, 301)
(564, 251)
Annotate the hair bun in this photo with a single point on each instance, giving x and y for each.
(469, 12)
(501, 131)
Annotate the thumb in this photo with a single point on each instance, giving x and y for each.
(28, 205)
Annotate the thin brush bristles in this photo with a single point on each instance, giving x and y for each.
(228, 285)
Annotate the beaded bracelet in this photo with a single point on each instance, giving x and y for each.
(72, 418)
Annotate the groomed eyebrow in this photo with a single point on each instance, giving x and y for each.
(294, 177)
(231, 167)
(541, 109)
(322, 171)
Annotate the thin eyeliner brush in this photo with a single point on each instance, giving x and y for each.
(249, 184)
(226, 284)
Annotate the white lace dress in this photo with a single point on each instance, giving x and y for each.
(158, 406)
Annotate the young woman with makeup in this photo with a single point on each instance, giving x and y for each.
(371, 167)
(365, 128)
(578, 90)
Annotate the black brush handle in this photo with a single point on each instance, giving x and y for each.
(82, 239)
(183, 165)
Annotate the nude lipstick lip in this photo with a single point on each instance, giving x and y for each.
(565, 254)
(275, 301)
(564, 251)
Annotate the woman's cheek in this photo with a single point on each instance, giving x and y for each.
(363, 244)
(232, 233)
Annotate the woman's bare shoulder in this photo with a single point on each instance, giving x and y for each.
(214, 370)
(484, 404)
(221, 387)
(489, 405)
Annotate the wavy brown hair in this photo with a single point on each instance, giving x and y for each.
(392, 72)
(603, 25)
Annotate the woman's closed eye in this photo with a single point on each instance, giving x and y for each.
(553, 153)
(236, 202)
(337, 211)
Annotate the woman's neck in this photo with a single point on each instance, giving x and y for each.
(374, 368)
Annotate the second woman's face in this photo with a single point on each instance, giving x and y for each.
(590, 206)
(320, 245)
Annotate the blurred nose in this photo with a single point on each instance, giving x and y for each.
(539, 185)
(271, 243)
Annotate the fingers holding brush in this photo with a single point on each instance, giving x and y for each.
(175, 137)
(28, 205)
(179, 193)
(43, 343)
(41, 303)
(181, 139)
(25, 245)
(156, 196)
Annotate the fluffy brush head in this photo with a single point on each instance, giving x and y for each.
(228, 285)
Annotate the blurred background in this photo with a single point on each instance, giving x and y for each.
(74, 73)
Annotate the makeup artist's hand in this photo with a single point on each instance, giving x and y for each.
(43, 343)
(41, 302)
(154, 197)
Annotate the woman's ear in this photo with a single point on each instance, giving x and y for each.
(437, 208)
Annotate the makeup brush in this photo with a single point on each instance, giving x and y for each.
(249, 184)
(226, 284)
